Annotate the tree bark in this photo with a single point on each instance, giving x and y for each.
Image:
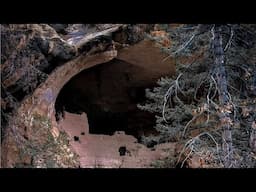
(220, 75)
(252, 141)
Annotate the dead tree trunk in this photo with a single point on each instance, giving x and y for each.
(252, 141)
(220, 75)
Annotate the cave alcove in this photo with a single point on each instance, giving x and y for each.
(109, 93)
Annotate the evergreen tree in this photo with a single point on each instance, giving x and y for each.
(215, 92)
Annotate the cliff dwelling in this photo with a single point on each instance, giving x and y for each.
(128, 95)
(84, 112)
(98, 109)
